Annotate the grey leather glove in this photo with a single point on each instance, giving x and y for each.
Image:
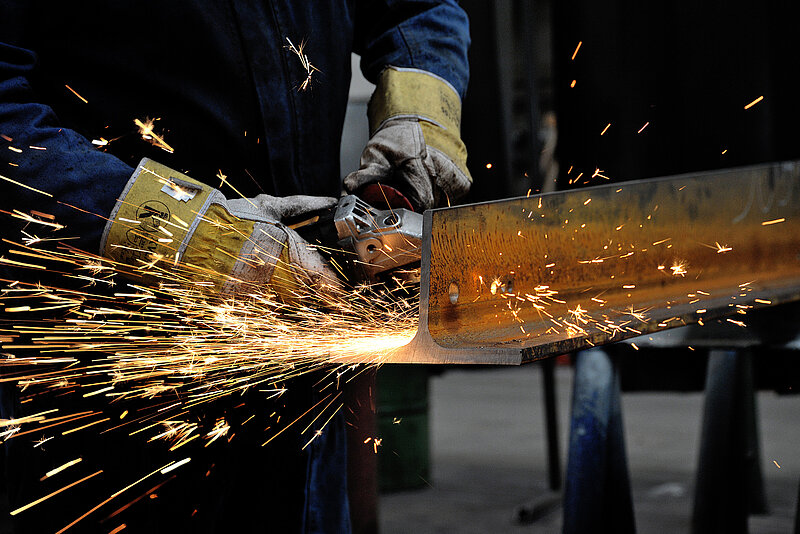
(415, 144)
(279, 256)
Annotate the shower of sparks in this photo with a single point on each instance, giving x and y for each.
(299, 51)
(165, 350)
(177, 339)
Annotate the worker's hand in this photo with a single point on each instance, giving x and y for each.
(164, 218)
(415, 143)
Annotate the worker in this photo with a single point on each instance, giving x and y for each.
(246, 93)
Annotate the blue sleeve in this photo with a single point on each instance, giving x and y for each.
(83, 181)
(423, 34)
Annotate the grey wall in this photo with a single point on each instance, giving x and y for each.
(356, 128)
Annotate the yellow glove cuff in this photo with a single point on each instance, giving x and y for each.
(407, 93)
(155, 215)
(163, 217)
(412, 93)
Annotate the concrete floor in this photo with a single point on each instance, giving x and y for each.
(488, 457)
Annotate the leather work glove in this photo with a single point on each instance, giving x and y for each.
(415, 142)
(164, 219)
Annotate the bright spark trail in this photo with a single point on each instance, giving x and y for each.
(162, 344)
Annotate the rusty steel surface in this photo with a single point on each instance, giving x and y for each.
(520, 279)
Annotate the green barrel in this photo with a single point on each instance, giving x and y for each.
(404, 455)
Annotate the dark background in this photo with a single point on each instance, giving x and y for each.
(687, 68)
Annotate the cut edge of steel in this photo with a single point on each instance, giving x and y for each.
(735, 231)
(422, 348)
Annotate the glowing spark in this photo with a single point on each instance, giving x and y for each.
(579, 314)
(68, 486)
(57, 470)
(773, 221)
(71, 430)
(678, 268)
(11, 431)
(754, 102)
(42, 441)
(309, 68)
(776, 464)
(99, 391)
(606, 128)
(25, 186)
(762, 301)
(575, 53)
(220, 429)
(113, 496)
(174, 466)
(639, 315)
(643, 127)
(572, 84)
(147, 133)
(74, 92)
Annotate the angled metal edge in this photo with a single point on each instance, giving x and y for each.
(422, 348)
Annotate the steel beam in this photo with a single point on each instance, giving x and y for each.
(517, 280)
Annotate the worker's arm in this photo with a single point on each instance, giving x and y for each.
(38, 152)
(416, 53)
(56, 171)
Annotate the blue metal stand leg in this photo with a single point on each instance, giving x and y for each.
(597, 494)
(551, 424)
(729, 484)
(797, 513)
